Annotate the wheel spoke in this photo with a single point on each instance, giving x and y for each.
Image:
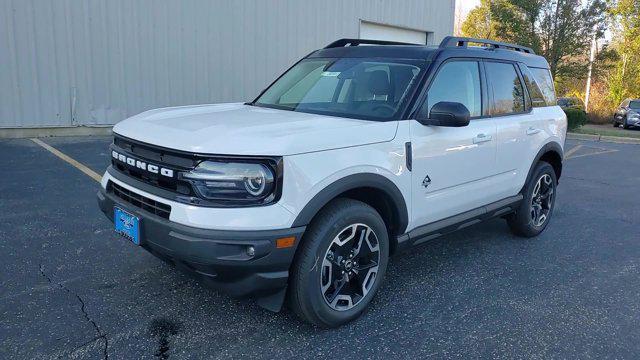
(536, 189)
(366, 266)
(338, 285)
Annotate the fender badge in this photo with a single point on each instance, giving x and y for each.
(426, 182)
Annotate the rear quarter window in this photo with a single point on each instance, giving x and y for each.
(536, 95)
(545, 83)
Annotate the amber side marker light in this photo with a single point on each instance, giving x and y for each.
(286, 242)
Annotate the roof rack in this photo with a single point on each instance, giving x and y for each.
(454, 41)
(356, 42)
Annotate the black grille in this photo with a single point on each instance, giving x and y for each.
(152, 153)
(170, 159)
(139, 201)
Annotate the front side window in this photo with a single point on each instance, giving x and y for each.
(362, 88)
(457, 81)
(508, 94)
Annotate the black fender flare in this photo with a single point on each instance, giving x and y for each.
(552, 146)
(350, 182)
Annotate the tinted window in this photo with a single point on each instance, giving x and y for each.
(545, 82)
(457, 81)
(362, 88)
(537, 98)
(635, 104)
(508, 94)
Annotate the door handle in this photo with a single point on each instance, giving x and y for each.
(480, 138)
(532, 131)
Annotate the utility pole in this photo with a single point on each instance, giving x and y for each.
(594, 45)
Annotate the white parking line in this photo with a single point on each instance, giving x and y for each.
(90, 173)
(595, 153)
(572, 151)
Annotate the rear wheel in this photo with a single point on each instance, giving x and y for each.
(535, 211)
(340, 264)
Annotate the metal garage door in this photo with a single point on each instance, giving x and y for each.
(369, 30)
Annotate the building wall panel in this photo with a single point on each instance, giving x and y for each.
(96, 62)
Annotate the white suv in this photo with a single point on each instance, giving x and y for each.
(352, 155)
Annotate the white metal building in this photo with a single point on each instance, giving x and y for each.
(68, 63)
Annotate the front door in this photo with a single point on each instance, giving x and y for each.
(453, 168)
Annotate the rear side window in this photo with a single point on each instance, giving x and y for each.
(457, 81)
(545, 83)
(508, 93)
(537, 98)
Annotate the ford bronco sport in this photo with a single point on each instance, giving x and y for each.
(360, 150)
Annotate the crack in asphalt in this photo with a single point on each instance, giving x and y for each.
(100, 334)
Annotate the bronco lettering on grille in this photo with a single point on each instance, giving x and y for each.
(154, 169)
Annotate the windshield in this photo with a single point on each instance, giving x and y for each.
(360, 88)
(634, 104)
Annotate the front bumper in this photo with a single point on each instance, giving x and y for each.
(218, 257)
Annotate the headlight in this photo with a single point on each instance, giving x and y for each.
(244, 183)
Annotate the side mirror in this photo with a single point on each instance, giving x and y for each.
(444, 113)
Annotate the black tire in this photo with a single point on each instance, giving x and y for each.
(615, 124)
(523, 222)
(306, 296)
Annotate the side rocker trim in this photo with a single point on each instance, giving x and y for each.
(436, 229)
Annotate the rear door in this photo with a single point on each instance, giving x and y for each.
(525, 121)
(514, 122)
(453, 167)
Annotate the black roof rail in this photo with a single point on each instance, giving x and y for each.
(455, 41)
(356, 42)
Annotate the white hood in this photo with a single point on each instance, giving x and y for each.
(238, 129)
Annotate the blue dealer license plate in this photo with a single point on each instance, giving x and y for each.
(127, 225)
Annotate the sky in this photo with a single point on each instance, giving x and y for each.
(466, 5)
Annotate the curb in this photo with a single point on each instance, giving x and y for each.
(601, 138)
(19, 133)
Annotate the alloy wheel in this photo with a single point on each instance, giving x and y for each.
(542, 200)
(350, 267)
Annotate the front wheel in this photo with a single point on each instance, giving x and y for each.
(340, 264)
(534, 213)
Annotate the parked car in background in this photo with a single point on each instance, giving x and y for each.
(627, 114)
(571, 103)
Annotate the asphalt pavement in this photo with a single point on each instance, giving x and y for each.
(71, 288)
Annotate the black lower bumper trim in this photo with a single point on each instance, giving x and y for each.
(220, 258)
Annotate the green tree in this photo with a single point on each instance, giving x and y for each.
(478, 23)
(624, 80)
(560, 30)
